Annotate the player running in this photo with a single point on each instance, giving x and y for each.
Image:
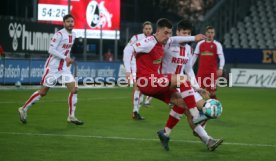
(130, 66)
(57, 68)
(177, 59)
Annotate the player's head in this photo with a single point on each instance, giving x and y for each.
(68, 22)
(147, 28)
(210, 33)
(184, 28)
(163, 30)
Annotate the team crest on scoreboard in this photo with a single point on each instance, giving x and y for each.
(97, 15)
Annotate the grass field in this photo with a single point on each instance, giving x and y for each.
(248, 125)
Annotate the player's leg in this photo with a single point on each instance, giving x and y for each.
(136, 95)
(72, 103)
(48, 80)
(148, 101)
(177, 111)
(187, 94)
(35, 97)
(32, 100)
(141, 99)
(201, 133)
(158, 86)
(213, 93)
(136, 99)
(209, 83)
(199, 130)
(175, 115)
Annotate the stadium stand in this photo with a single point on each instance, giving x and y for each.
(257, 30)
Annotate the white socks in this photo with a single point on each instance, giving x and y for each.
(72, 102)
(202, 134)
(136, 100)
(194, 112)
(141, 99)
(33, 99)
(167, 131)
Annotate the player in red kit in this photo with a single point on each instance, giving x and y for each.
(57, 68)
(149, 55)
(209, 51)
(177, 60)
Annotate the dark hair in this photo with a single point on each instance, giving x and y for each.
(163, 22)
(184, 25)
(146, 23)
(209, 27)
(67, 16)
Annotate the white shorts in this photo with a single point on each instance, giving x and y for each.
(52, 76)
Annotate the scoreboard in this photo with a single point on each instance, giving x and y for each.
(93, 15)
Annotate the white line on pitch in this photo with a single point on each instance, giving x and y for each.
(88, 99)
(126, 138)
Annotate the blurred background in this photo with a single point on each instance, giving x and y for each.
(246, 29)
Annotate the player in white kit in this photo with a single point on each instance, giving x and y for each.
(130, 66)
(177, 60)
(57, 69)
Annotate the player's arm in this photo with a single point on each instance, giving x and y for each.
(55, 41)
(195, 54)
(194, 58)
(190, 73)
(144, 46)
(133, 40)
(221, 60)
(128, 51)
(183, 39)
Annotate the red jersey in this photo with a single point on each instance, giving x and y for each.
(208, 55)
(149, 56)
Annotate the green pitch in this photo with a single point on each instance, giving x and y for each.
(248, 126)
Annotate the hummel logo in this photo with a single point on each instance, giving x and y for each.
(15, 32)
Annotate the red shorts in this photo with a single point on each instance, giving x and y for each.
(207, 81)
(156, 85)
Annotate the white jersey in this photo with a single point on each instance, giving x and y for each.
(177, 60)
(129, 58)
(60, 47)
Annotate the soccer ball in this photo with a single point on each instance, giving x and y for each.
(17, 84)
(212, 108)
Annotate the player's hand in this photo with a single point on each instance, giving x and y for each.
(204, 93)
(129, 77)
(69, 61)
(219, 72)
(199, 37)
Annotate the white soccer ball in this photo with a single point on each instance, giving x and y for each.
(212, 108)
(17, 84)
